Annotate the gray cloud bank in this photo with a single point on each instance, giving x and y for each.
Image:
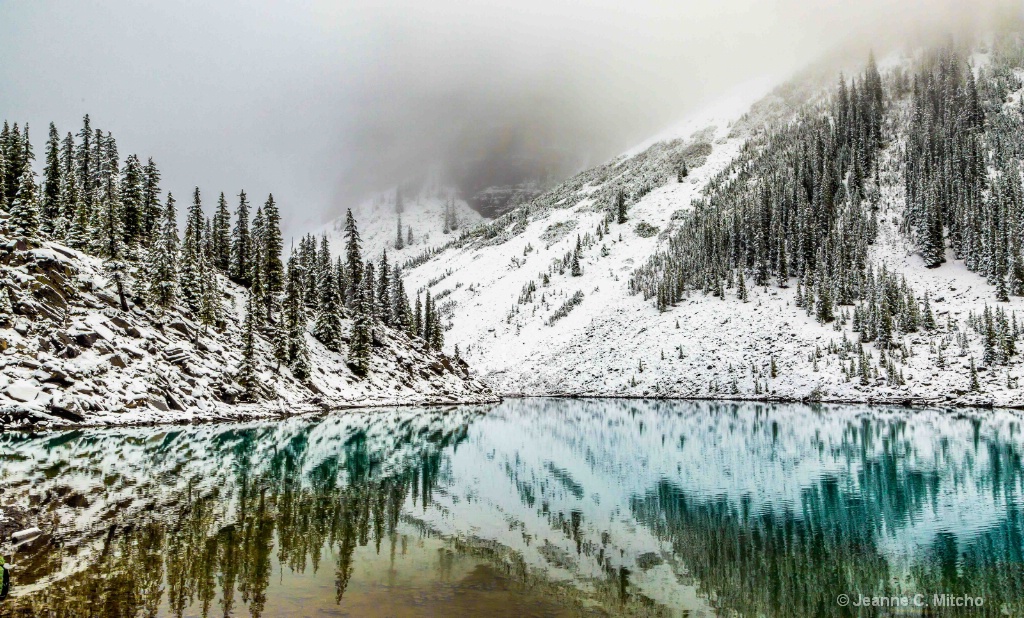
(322, 102)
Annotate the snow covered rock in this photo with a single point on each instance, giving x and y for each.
(23, 390)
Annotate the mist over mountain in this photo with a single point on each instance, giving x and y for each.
(326, 103)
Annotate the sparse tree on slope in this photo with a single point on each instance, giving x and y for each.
(162, 261)
(248, 371)
(24, 220)
(222, 235)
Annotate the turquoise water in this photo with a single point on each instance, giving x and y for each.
(538, 507)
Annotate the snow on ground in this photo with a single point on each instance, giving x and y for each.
(613, 343)
(72, 356)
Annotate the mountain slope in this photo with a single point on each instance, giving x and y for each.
(71, 355)
(532, 327)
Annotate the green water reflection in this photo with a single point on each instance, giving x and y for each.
(530, 507)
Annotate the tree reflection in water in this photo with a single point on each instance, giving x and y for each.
(607, 507)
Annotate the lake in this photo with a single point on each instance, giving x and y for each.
(531, 507)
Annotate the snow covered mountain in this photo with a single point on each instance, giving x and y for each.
(563, 295)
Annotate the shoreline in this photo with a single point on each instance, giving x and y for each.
(257, 412)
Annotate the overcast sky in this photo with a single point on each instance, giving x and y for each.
(322, 102)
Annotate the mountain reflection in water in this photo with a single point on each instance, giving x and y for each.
(530, 507)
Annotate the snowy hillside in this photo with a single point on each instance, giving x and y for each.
(72, 356)
(534, 323)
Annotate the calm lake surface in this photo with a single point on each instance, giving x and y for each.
(533, 507)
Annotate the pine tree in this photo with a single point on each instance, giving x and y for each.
(221, 241)
(328, 322)
(190, 274)
(51, 182)
(359, 341)
(354, 260)
(109, 240)
(295, 321)
(163, 260)
(272, 245)
(418, 317)
(78, 234)
(248, 371)
(152, 212)
(278, 334)
(383, 302)
(24, 219)
(436, 331)
(210, 311)
(620, 207)
(428, 321)
(240, 244)
(399, 240)
(576, 269)
(132, 193)
(86, 164)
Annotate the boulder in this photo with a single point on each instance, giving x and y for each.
(130, 329)
(84, 337)
(177, 352)
(23, 390)
(181, 327)
(158, 403)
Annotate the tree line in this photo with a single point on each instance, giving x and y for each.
(91, 201)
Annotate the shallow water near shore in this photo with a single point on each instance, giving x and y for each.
(531, 507)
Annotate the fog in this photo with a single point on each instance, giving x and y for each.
(324, 102)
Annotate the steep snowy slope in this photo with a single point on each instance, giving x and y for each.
(72, 356)
(531, 326)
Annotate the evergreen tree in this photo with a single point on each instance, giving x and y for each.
(24, 221)
(418, 317)
(163, 260)
(86, 164)
(328, 328)
(620, 207)
(51, 182)
(354, 260)
(221, 241)
(190, 267)
(360, 339)
(295, 321)
(577, 270)
(383, 302)
(248, 371)
(240, 267)
(152, 212)
(272, 244)
(132, 194)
